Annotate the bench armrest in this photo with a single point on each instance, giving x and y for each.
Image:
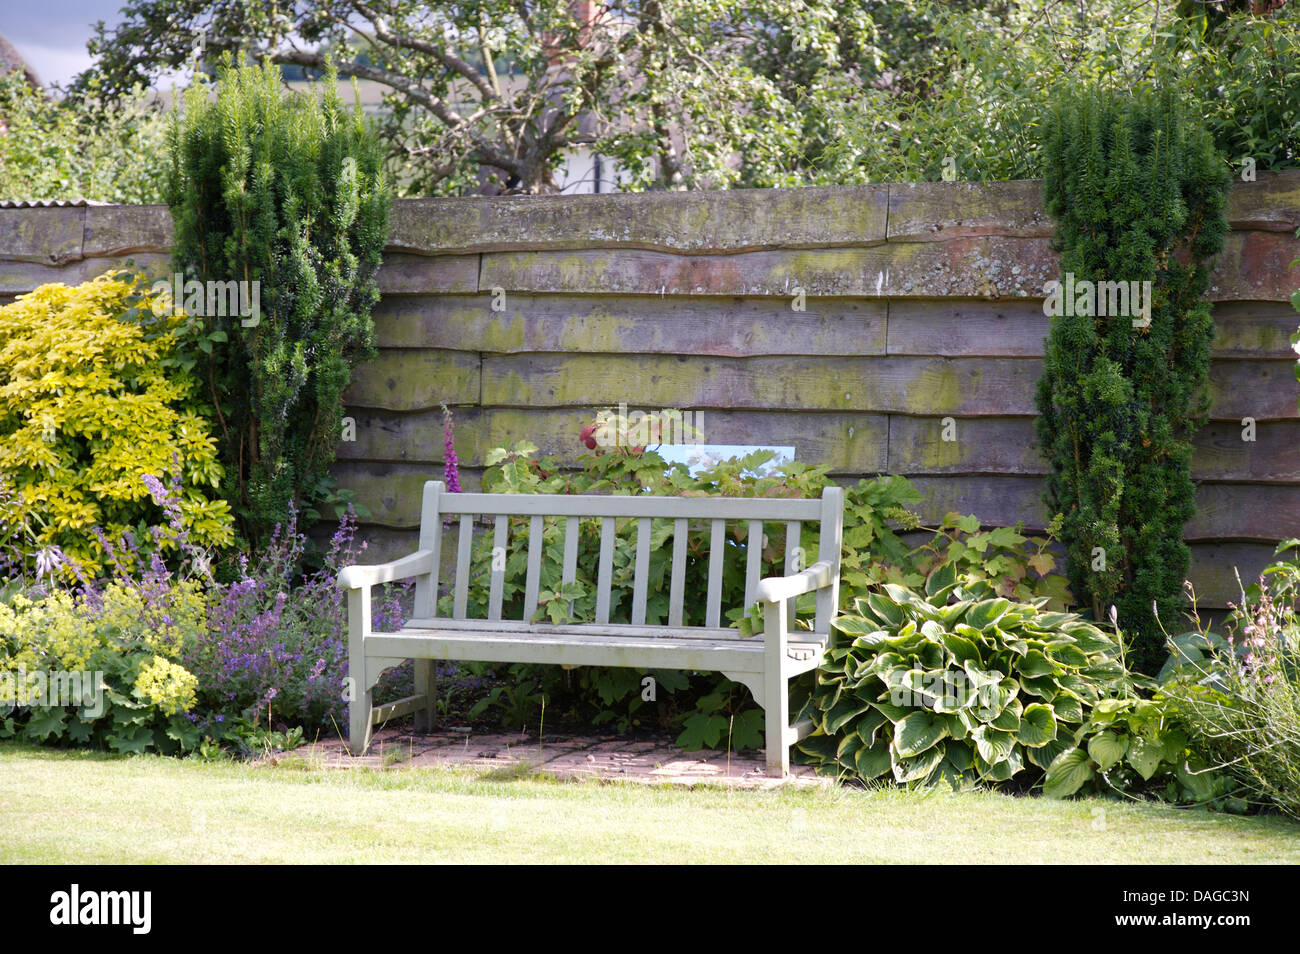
(777, 588)
(355, 577)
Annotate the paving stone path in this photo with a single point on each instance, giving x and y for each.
(560, 756)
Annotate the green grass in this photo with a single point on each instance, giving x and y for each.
(59, 806)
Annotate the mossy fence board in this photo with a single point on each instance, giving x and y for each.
(921, 302)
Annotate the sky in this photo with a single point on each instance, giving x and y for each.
(51, 34)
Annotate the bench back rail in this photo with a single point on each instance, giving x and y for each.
(461, 510)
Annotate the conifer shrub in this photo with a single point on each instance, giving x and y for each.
(283, 192)
(1138, 193)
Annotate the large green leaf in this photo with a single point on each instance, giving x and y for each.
(1145, 755)
(987, 612)
(993, 745)
(848, 707)
(918, 732)
(1037, 725)
(872, 762)
(1107, 748)
(1045, 755)
(919, 767)
(1035, 664)
(1071, 770)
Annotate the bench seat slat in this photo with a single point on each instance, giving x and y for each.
(570, 649)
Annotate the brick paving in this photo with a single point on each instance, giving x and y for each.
(561, 756)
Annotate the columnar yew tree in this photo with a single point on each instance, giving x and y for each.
(1138, 192)
(284, 190)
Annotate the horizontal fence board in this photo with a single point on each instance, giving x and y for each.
(51, 236)
(402, 274)
(405, 380)
(124, 229)
(690, 222)
(1224, 511)
(934, 211)
(1264, 390)
(1018, 328)
(1252, 267)
(18, 278)
(938, 211)
(1010, 446)
(967, 267)
(734, 327)
(847, 443)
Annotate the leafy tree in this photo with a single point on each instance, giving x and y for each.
(83, 148)
(1131, 179)
(286, 191)
(494, 92)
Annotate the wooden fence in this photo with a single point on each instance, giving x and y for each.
(919, 303)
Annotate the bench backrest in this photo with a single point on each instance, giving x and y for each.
(439, 505)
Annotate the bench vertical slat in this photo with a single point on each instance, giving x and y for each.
(717, 554)
(795, 562)
(531, 583)
(604, 580)
(499, 533)
(426, 585)
(640, 579)
(462, 565)
(753, 560)
(828, 549)
(570, 550)
(677, 589)
(570, 571)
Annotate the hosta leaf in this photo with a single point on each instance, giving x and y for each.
(1068, 707)
(960, 755)
(920, 767)
(1144, 755)
(1037, 725)
(1107, 748)
(1003, 770)
(868, 725)
(872, 762)
(993, 745)
(1041, 686)
(987, 612)
(1045, 755)
(1071, 770)
(890, 711)
(847, 708)
(917, 733)
(1035, 664)
(962, 649)
(1068, 655)
(849, 744)
(885, 609)
(821, 747)
(1008, 720)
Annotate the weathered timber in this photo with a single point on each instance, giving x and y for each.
(734, 327)
(847, 443)
(407, 380)
(691, 222)
(1009, 445)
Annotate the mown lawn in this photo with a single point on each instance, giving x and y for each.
(78, 807)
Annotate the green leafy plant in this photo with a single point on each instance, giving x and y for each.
(1132, 745)
(96, 395)
(953, 683)
(284, 191)
(1131, 179)
(1238, 696)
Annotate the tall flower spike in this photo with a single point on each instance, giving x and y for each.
(451, 466)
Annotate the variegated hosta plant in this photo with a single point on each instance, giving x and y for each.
(952, 684)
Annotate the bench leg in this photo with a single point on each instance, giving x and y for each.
(359, 712)
(426, 683)
(776, 691)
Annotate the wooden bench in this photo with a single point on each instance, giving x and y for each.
(764, 663)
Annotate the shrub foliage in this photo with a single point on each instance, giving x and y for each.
(287, 191)
(1130, 180)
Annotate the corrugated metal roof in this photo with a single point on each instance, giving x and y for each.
(47, 203)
